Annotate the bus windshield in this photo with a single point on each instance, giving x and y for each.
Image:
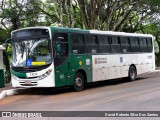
(31, 52)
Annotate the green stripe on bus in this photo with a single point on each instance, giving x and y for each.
(18, 74)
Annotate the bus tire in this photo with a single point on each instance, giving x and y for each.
(79, 82)
(132, 73)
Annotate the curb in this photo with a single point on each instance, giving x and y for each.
(6, 93)
(156, 70)
(3, 94)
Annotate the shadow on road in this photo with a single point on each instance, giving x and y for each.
(62, 90)
(110, 82)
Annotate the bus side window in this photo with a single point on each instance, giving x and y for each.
(91, 42)
(104, 44)
(134, 44)
(149, 44)
(125, 44)
(143, 44)
(78, 46)
(115, 44)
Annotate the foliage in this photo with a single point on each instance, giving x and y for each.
(3, 35)
(115, 15)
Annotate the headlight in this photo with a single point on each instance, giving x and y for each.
(46, 74)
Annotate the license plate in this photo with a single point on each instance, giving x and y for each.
(31, 74)
(28, 82)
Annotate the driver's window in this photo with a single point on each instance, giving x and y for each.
(43, 48)
(43, 52)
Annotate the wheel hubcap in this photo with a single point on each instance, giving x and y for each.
(132, 74)
(78, 82)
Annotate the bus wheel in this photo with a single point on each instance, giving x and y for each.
(132, 73)
(78, 82)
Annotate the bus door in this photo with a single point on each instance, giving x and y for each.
(60, 58)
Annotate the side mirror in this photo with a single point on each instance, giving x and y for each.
(8, 40)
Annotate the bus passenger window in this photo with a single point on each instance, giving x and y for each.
(78, 46)
(125, 45)
(149, 44)
(115, 44)
(143, 44)
(92, 44)
(104, 44)
(134, 44)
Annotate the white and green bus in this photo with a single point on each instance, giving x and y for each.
(56, 56)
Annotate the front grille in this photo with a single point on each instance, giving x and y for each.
(25, 70)
(27, 77)
(27, 85)
(32, 83)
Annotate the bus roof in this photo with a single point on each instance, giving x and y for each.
(78, 30)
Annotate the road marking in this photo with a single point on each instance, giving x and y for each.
(119, 97)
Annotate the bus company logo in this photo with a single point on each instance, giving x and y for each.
(100, 60)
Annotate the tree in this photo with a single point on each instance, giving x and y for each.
(106, 14)
(59, 12)
(117, 15)
(15, 14)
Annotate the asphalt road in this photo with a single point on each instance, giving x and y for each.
(142, 94)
